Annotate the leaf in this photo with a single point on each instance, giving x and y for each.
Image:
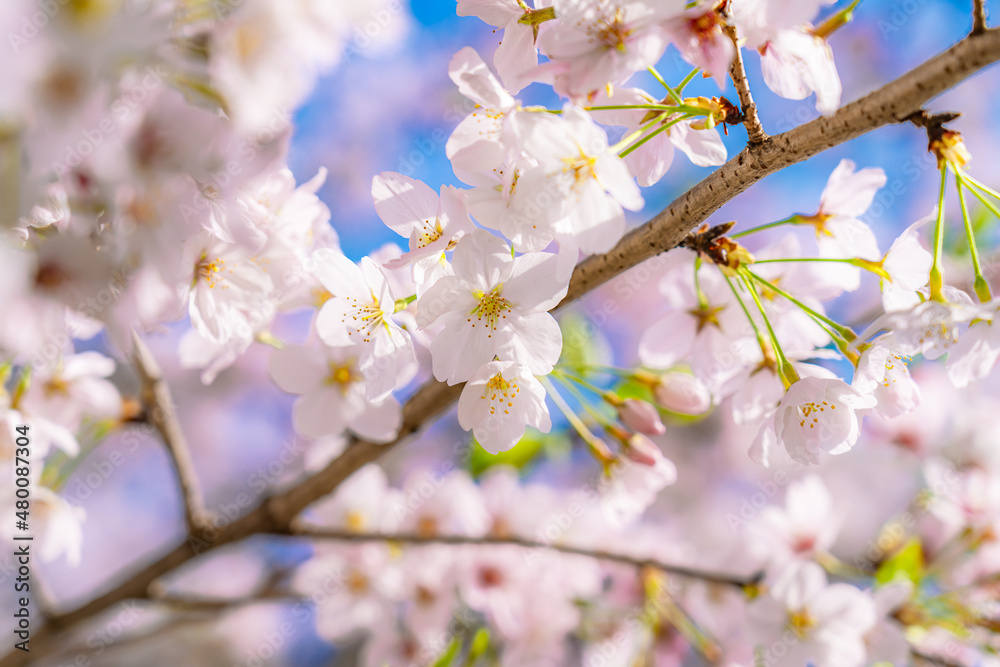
(480, 643)
(449, 654)
(528, 449)
(583, 347)
(907, 563)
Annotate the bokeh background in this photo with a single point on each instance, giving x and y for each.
(390, 106)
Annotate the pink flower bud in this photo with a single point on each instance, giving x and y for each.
(682, 393)
(641, 417)
(642, 450)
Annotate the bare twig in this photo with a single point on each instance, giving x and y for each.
(610, 556)
(159, 407)
(755, 131)
(890, 104)
(978, 17)
(215, 605)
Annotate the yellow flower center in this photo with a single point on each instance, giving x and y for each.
(491, 307)
(364, 317)
(341, 375)
(800, 622)
(809, 412)
(500, 393)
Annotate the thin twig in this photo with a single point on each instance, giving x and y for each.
(890, 104)
(302, 530)
(159, 408)
(214, 605)
(978, 17)
(755, 131)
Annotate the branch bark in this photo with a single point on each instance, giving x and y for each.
(737, 72)
(159, 406)
(890, 104)
(411, 539)
(978, 16)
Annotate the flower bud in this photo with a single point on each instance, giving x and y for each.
(948, 147)
(682, 393)
(642, 450)
(641, 417)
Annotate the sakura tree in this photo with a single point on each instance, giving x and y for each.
(705, 439)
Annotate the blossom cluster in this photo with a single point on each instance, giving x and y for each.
(144, 181)
(143, 148)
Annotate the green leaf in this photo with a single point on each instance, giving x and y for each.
(480, 643)
(907, 563)
(581, 347)
(450, 654)
(531, 447)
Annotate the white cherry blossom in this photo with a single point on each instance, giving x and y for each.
(494, 305)
(498, 401)
(360, 312)
(432, 223)
(815, 416)
(332, 393)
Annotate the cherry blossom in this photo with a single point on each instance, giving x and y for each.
(493, 306)
(596, 43)
(496, 409)
(332, 393)
(359, 312)
(229, 289)
(815, 415)
(588, 183)
(75, 387)
(812, 621)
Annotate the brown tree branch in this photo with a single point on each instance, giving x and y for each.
(159, 407)
(751, 121)
(890, 104)
(978, 17)
(412, 539)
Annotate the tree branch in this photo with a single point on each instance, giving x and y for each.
(412, 539)
(890, 104)
(159, 406)
(755, 131)
(978, 17)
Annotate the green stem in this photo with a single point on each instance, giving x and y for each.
(401, 304)
(648, 107)
(788, 374)
(565, 380)
(536, 16)
(629, 138)
(873, 267)
(973, 183)
(982, 287)
(839, 330)
(743, 305)
(686, 80)
(663, 128)
(787, 221)
(610, 370)
(670, 91)
(596, 445)
(937, 272)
